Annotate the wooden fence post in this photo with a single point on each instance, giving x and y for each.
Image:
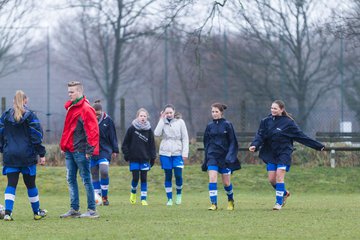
(122, 118)
(332, 156)
(242, 116)
(3, 104)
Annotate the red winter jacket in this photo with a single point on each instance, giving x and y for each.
(81, 130)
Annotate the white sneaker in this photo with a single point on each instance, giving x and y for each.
(169, 202)
(277, 207)
(90, 214)
(178, 199)
(8, 217)
(71, 214)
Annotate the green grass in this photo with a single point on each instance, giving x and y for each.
(324, 205)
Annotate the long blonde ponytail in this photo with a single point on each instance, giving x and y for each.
(19, 101)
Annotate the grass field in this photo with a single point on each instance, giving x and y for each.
(325, 204)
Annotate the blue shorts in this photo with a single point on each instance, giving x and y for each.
(226, 171)
(94, 163)
(139, 166)
(171, 162)
(31, 170)
(274, 167)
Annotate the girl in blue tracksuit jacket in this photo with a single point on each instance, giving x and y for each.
(221, 148)
(109, 148)
(21, 144)
(275, 140)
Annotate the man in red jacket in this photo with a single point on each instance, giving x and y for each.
(79, 141)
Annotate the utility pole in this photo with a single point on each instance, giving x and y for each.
(166, 73)
(225, 72)
(48, 114)
(282, 66)
(342, 78)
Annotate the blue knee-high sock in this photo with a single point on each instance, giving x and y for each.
(143, 190)
(280, 188)
(178, 179)
(133, 186)
(229, 192)
(274, 186)
(97, 188)
(10, 193)
(168, 183)
(33, 195)
(104, 184)
(213, 192)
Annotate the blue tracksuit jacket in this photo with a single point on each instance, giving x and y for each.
(221, 146)
(275, 139)
(20, 142)
(108, 139)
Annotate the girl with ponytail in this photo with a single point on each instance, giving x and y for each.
(274, 139)
(109, 149)
(21, 144)
(221, 148)
(20, 100)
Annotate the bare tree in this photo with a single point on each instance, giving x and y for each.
(107, 30)
(14, 41)
(183, 71)
(285, 55)
(2, 3)
(345, 26)
(345, 20)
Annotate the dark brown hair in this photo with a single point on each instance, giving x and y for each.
(281, 105)
(169, 106)
(219, 106)
(176, 114)
(97, 105)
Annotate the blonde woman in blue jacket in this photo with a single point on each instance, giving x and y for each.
(173, 151)
(21, 138)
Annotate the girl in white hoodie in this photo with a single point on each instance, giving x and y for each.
(174, 149)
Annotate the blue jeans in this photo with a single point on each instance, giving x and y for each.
(77, 161)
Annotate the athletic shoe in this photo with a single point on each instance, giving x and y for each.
(144, 203)
(213, 207)
(132, 198)
(169, 202)
(8, 217)
(277, 207)
(40, 214)
(71, 214)
(90, 214)
(231, 205)
(285, 197)
(178, 199)
(105, 201)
